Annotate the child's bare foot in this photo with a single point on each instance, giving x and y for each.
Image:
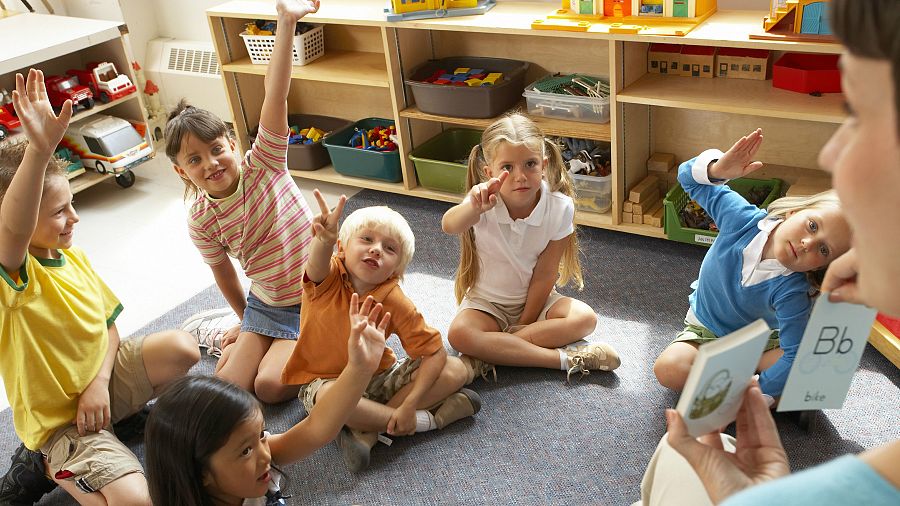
(738, 161)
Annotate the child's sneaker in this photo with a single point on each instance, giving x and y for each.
(462, 404)
(476, 367)
(26, 481)
(592, 357)
(356, 447)
(209, 326)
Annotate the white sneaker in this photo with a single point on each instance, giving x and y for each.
(208, 327)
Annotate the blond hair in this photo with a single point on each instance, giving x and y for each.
(518, 130)
(388, 221)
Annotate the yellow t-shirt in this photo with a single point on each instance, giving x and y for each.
(54, 334)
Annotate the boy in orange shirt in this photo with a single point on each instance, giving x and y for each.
(416, 394)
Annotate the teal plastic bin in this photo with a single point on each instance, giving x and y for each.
(441, 162)
(354, 162)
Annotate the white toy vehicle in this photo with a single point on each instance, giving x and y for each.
(108, 144)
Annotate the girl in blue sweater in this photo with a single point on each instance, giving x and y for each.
(762, 265)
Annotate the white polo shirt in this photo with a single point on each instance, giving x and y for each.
(509, 249)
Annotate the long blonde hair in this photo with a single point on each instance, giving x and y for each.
(516, 129)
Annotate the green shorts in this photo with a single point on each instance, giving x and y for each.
(699, 334)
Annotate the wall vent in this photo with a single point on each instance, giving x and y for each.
(187, 69)
(192, 61)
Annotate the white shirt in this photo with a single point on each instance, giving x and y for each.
(508, 249)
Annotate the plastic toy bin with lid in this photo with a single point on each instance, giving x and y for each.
(441, 161)
(355, 162)
(310, 156)
(677, 199)
(593, 194)
(570, 107)
(469, 101)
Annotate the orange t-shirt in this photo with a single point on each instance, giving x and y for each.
(321, 351)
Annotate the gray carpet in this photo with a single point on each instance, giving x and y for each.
(536, 440)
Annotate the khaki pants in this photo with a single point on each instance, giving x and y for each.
(670, 481)
(383, 387)
(97, 459)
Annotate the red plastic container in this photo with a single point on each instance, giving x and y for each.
(807, 73)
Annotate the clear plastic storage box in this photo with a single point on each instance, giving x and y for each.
(571, 107)
(593, 194)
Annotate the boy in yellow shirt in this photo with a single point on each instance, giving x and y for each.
(67, 375)
(420, 393)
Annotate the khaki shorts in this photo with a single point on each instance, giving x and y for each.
(383, 387)
(97, 459)
(507, 315)
(700, 335)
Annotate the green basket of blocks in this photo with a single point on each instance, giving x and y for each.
(676, 200)
(440, 160)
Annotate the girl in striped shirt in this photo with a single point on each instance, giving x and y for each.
(250, 209)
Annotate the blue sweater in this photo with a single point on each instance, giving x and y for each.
(721, 303)
(846, 480)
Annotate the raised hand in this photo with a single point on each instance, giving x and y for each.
(325, 224)
(758, 457)
(738, 161)
(42, 126)
(296, 9)
(367, 335)
(483, 196)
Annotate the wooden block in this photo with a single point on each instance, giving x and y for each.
(657, 219)
(626, 207)
(637, 219)
(648, 214)
(661, 162)
(626, 217)
(644, 189)
(646, 203)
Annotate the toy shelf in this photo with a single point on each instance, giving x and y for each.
(550, 126)
(737, 96)
(55, 44)
(348, 67)
(367, 60)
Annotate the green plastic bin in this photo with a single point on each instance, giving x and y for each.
(354, 162)
(677, 199)
(436, 160)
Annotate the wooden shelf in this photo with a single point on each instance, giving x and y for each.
(88, 179)
(75, 173)
(348, 67)
(737, 96)
(550, 126)
(885, 342)
(53, 36)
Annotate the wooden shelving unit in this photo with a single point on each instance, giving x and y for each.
(367, 60)
(55, 44)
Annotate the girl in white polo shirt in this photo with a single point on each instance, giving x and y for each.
(517, 232)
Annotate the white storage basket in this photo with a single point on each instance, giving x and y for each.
(307, 46)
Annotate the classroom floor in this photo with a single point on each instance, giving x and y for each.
(137, 240)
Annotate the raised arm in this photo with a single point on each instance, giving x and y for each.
(44, 130)
(481, 198)
(325, 231)
(273, 116)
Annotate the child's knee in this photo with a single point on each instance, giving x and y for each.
(270, 390)
(455, 372)
(670, 371)
(461, 338)
(585, 322)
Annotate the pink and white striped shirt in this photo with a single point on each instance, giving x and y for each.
(266, 224)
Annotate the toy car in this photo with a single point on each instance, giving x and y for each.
(108, 144)
(8, 120)
(62, 88)
(104, 81)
